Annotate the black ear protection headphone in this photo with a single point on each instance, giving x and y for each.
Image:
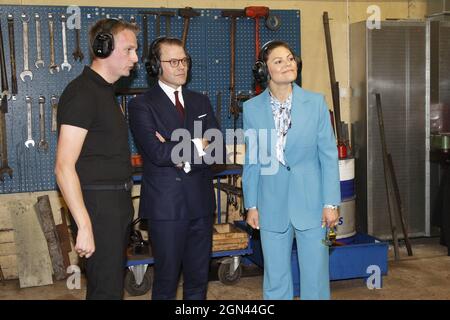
(260, 70)
(103, 44)
(153, 62)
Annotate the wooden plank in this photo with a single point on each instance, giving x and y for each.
(9, 266)
(5, 219)
(64, 238)
(7, 236)
(47, 222)
(223, 247)
(7, 249)
(222, 227)
(33, 259)
(234, 235)
(10, 273)
(230, 240)
(8, 261)
(227, 231)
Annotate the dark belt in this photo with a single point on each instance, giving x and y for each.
(109, 187)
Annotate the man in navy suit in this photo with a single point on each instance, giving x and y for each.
(177, 195)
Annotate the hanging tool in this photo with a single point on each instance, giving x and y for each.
(65, 63)
(145, 48)
(12, 54)
(167, 15)
(234, 106)
(257, 13)
(39, 60)
(5, 95)
(273, 22)
(158, 14)
(77, 53)
(30, 142)
(342, 148)
(53, 66)
(26, 70)
(4, 169)
(43, 144)
(54, 102)
(391, 183)
(186, 13)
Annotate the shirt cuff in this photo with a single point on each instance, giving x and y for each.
(198, 145)
(251, 208)
(187, 167)
(330, 206)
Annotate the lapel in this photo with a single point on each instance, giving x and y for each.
(267, 112)
(299, 116)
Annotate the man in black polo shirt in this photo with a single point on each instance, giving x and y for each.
(93, 167)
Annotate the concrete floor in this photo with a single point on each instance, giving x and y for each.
(426, 275)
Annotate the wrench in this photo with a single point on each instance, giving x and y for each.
(54, 101)
(53, 66)
(12, 54)
(43, 144)
(5, 95)
(26, 70)
(65, 63)
(30, 141)
(77, 54)
(4, 149)
(39, 60)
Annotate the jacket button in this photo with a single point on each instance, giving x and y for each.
(288, 168)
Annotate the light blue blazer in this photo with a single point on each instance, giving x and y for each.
(297, 192)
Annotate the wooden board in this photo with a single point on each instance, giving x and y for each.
(226, 236)
(223, 247)
(227, 231)
(6, 236)
(33, 259)
(231, 240)
(45, 216)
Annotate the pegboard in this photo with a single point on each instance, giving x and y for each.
(208, 44)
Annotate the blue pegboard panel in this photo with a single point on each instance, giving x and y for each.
(208, 44)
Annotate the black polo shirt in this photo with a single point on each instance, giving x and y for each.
(89, 102)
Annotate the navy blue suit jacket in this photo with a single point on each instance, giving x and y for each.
(167, 192)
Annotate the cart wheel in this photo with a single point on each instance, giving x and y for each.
(135, 289)
(225, 275)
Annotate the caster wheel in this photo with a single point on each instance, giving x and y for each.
(135, 289)
(225, 275)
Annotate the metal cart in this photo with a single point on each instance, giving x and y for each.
(139, 274)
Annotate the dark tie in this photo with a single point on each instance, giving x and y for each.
(179, 106)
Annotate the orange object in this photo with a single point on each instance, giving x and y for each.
(136, 160)
(342, 150)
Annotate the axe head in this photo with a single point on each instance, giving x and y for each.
(188, 12)
(257, 12)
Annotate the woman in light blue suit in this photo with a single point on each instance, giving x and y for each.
(291, 175)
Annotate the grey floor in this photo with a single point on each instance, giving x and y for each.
(426, 275)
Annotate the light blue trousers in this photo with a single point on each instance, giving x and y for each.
(313, 259)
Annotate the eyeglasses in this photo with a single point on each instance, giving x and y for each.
(175, 62)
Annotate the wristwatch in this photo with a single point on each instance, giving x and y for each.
(330, 206)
